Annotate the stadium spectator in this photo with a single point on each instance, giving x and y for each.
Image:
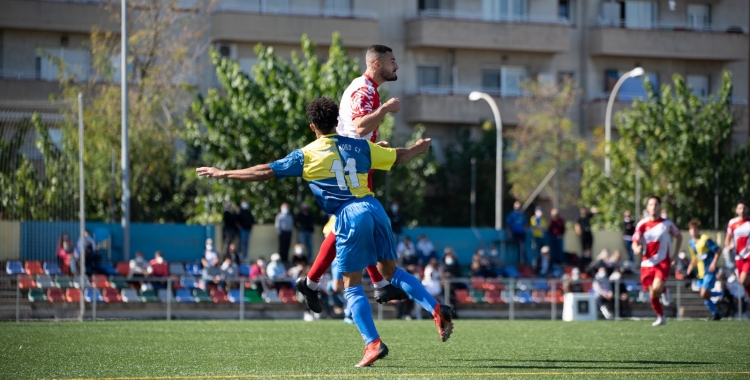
(602, 261)
(232, 254)
(229, 272)
(305, 227)
(681, 265)
(229, 221)
(432, 279)
(275, 269)
(480, 266)
(65, 253)
(300, 256)
(159, 267)
(538, 226)
(450, 264)
(93, 259)
(603, 290)
(628, 229)
(245, 223)
(284, 224)
(516, 223)
(496, 261)
(556, 233)
(615, 262)
(211, 274)
(583, 228)
(210, 257)
(139, 266)
(425, 250)
(571, 283)
(83, 241)
(258, 269)
(397, 221)
(625, 299)
(544, 264)
(585, 260)
(407, 253)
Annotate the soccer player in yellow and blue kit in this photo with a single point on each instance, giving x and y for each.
(336, 169)
(704, 252)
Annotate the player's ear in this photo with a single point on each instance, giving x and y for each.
(312, 127)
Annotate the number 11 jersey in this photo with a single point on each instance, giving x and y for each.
(336, 168)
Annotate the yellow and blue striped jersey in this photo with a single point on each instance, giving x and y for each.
(703, 250)
(336, 168)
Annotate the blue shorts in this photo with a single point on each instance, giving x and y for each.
(363, 235)
(707, 282)
(335, 272)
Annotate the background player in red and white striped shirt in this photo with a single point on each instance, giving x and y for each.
(738, 232)
(652, 239)
(360, 114)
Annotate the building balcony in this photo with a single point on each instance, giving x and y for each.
(286, 26)
(442, 29)
(445, 105)
(57, 16)
(669, 41)
(19, 86)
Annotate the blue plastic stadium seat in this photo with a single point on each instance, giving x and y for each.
(511, 271)
(234, 295)
(541, 285)
(14, 267)
(89, 294)
(524, 296)
(189, 282)
(52, 269)
(176, 269)
(245, 270)
(557, 271)
(163, 295)
(110, 269)
(193, 269)
(184, 295)
(632, 286)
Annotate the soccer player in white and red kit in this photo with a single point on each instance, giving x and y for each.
(652, 240)
(360, 114)
(738, 232)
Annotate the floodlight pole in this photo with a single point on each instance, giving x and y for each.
(125, 159)
(474, 96)
(636, 72)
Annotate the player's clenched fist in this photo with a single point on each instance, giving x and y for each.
(393, 105)
(209, 172)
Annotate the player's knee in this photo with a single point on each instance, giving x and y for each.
(387, 268)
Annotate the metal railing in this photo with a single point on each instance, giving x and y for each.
(481, 16)
(290, 10)
(671, 26)
(455, 90)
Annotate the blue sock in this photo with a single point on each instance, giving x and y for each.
(361, 311)
(717, 294)
(347, 310)
(711, 307)
(414, 289)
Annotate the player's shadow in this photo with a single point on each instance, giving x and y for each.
(642, 362)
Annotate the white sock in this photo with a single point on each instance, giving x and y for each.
(312, 285)
(381, 284)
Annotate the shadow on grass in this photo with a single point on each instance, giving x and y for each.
(517, 367)
(656, 362)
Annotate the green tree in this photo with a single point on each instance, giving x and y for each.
(545, 139)
(677, 143)
(250, 121)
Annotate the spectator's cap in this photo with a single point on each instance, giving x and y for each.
(275, 257)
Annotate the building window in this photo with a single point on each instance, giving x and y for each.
(632, 88)
(699, 16)
(246, 64)
(504, 10)
(698, 84)
(428, 78)
(640, 14)
(491, 81)
(76, 62)
(429, 5)
(340, 8)
(511, 81)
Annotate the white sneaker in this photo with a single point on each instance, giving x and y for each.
(659, 321)
(605, 312)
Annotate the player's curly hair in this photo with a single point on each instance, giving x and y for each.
(323, 114)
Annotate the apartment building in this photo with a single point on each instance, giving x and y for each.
(445, 48)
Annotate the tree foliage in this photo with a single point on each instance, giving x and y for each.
(678, 143)
(545, 139)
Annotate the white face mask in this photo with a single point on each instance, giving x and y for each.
(159, 260)
(449, 261)
(664, 216)
(284, 210)
(480, 252)
(261, 263)
(394, 208)
(538, 214)
(225, 265)
(493, 252)
(298, 251)
(209, 247)
(139, 259)
(245, 206)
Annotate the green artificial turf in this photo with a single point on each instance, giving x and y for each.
(329, 349)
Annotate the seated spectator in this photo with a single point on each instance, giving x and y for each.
(681, 265)
(602, 261)
(210, 274)
(425, 250)
(296, 271)
(210, 257)
(495, 259)
(275, 269)
(571, 284)
(480, 266)
(300, 256)
(139, 266)
(615, 262)
(93, 259)
(159, 267)
(603, 291)
(450, 264)
(432, 279)
(406, 252)
(65, 253)
(258, 269)
(585, 261)
(233, 255)
(544, 263)
(229, 272)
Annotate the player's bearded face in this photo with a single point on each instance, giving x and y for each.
(389, 74)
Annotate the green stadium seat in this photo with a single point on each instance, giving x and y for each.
(477, 296)
(118, 283)
(64, 282)
(37, 295)
(252, 296)
(201, 296)
(149, 296)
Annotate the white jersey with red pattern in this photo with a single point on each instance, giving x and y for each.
(739, 230)
(656, 238)
(360, 98)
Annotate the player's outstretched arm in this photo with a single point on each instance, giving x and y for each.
(257, 173)
(406, 154)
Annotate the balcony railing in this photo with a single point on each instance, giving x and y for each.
(455, 90)
(625, 97)
(479, 16)
(297, 11)
(667, 26)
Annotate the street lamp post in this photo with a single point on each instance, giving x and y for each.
(474, 96)
(636, 72)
